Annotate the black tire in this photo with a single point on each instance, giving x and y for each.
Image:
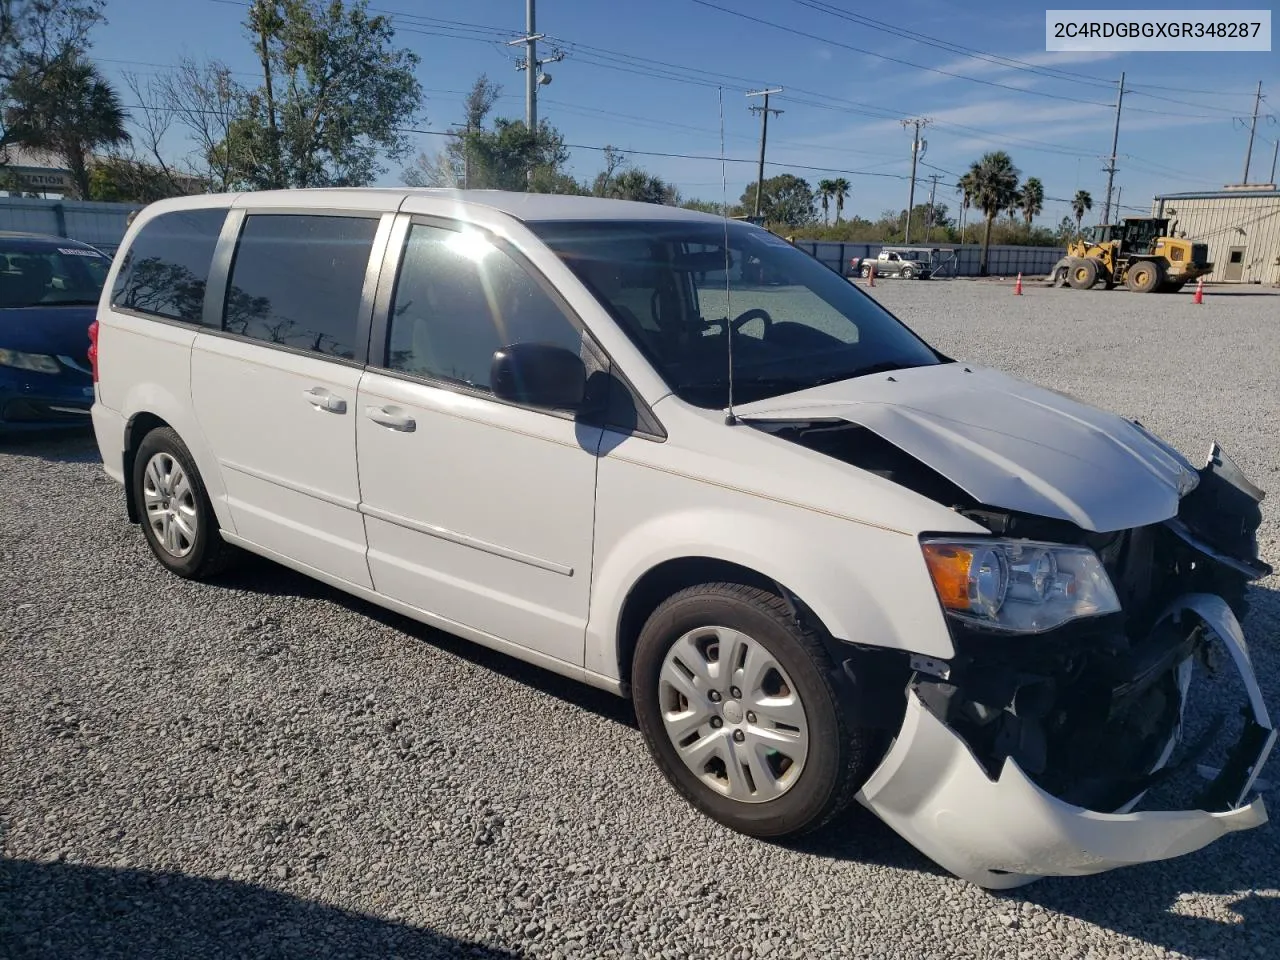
(1144, 276)
(1082, 274)
(208, 554)
(840, 756)
(908, 273)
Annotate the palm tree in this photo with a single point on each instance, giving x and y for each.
(841, 188)
(1032, 199)
(826, 189)
(1080, 205)
(994, 181)
(69, 109)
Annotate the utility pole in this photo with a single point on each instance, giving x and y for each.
(1275, 151)
(1111, 161)
(531, 65)
(933, 190)
(1253, 127)
(919, 123)
(764, 112)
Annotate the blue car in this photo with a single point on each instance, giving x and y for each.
(49, 288)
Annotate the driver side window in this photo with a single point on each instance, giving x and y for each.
(458, 299)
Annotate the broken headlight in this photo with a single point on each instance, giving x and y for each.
(1018, 585)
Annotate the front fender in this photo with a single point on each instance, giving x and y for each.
(867, 585)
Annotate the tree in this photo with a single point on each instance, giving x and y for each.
(34, 33)
(1032, 199)
(123, 179)
(638, 185)
(993, 181)
(69, 109)
(1081, 204)
(511, 157)
(36, 38)
(206, 102)
(614, 160)
(334, 95)
(826, 190)
(840, 189)
(451, 166)
(786, 200)
(703, 206)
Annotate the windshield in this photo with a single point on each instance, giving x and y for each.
(46, 275)
(795, 324)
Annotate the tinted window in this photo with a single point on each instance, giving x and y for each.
(296, 281)
(48, 275)
(458, 299)
(167, 267)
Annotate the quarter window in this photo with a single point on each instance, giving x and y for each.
(167, 266)
(297, 281)
(458, 299)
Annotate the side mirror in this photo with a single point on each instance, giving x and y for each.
(539, 375)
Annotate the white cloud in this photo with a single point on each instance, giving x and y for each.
(974, 66)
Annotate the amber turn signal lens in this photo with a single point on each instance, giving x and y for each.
(949, 565)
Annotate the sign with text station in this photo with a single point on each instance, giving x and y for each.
(37, 178)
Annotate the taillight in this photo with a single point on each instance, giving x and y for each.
(93, 349)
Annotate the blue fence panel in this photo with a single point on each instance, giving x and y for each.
(100, 224)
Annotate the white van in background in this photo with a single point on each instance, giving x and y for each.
(825, 561)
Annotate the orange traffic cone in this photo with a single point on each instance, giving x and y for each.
(1017, 287)
(871, 277)
(1199, 297)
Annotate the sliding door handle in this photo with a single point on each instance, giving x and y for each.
(322, 399)
(392, 417)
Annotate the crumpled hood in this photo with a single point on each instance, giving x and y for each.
(1006, 442)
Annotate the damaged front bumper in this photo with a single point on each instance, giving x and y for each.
(1001, 829)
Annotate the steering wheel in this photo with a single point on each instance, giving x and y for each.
(756, 313)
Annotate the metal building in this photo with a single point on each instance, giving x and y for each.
(1241, 225)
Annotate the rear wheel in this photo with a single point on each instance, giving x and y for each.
(1144, 276)
(177, 517)
(1082, 274)
(736, 705)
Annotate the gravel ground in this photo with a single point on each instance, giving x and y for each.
(265, 767)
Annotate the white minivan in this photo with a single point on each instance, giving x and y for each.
(825, 561)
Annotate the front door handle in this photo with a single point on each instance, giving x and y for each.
(322, 399)
(392, 417)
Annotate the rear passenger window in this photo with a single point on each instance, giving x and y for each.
(167, 266)
(458, 299)
(296, 280)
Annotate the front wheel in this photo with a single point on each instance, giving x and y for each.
(737, 706)
(908, 273)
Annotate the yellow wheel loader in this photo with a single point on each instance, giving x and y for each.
(1142, 253)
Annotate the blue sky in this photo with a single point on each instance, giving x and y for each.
(645, 77)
